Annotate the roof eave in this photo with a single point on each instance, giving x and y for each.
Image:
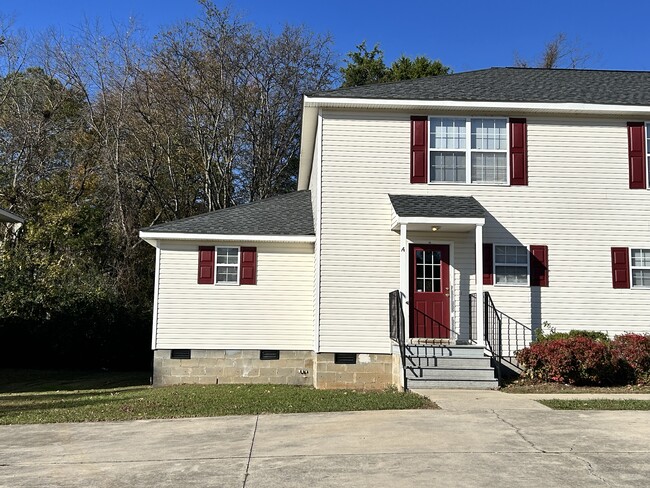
(465, 106)
(7, 216)
(154, 237)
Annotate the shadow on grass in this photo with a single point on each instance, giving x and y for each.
(35, 380)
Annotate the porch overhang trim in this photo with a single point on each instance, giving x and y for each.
(436, 221)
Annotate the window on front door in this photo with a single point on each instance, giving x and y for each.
(468, 150)
(427, 267)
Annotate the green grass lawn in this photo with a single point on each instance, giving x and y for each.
(597, 404)
(53, 399)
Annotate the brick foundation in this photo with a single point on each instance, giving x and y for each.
(236, 366)
(371, 372)
(209, 367)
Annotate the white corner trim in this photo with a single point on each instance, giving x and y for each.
(177, 236)
(576, 108)
(317, 225)
(154, 329)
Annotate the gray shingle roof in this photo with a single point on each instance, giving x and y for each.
(288, 214)
(436, 206)
(514, 85)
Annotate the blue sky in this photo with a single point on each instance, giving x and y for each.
(464, 34)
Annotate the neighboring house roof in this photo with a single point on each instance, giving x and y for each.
(436, 206)
(282, 215)
(513, 85)
(7, 216)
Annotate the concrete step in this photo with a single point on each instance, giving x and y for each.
(448, 362)
(451, 374)
(414, 383)
(430, 351)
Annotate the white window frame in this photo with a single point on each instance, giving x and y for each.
(468, 151)
(216, 265)
(494, 265)
(632, 267)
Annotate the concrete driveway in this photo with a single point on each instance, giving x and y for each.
(476, 439)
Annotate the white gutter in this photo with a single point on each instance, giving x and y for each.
(152, 237)
(530, 107)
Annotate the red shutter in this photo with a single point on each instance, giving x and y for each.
(518, 153)
(419, 129)
(487, 264)
(538, 266)
(206, 265)
(248, 266)
(620, 267)
(636, 153)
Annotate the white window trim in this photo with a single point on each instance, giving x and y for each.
(216, 265)
(637, 267)
(494, 265)
(468, 151)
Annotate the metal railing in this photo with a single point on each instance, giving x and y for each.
(397, 326)
(503, 335)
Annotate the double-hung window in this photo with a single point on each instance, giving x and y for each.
(640, 267)
(511, 265)
(228, 265)
(468, 150)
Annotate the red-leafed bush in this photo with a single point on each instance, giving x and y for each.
(575, 360)
(631, 356)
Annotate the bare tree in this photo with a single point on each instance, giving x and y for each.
(558, 53)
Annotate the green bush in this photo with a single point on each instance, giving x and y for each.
(587, 358)
(548, 333)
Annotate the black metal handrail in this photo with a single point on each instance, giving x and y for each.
(503, 334)
(397, 326)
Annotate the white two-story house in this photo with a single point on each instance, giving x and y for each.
(437, 222)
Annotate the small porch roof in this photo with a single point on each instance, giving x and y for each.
(449, 213)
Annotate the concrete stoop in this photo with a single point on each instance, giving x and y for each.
(449, 366)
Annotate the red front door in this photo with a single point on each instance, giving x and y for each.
(429, 302)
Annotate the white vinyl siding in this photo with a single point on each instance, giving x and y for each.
(578, 203)
(277, 313)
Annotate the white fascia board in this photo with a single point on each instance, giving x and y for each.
(571, 108)
(436, 221)
(307, 143)
(152, 237)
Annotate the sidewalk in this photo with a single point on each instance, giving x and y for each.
(488, 400)
(476, 439)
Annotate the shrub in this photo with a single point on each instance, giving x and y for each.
(548, 333)
(577, 360)
(631, 356)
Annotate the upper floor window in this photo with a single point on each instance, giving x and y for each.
(468, 150)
